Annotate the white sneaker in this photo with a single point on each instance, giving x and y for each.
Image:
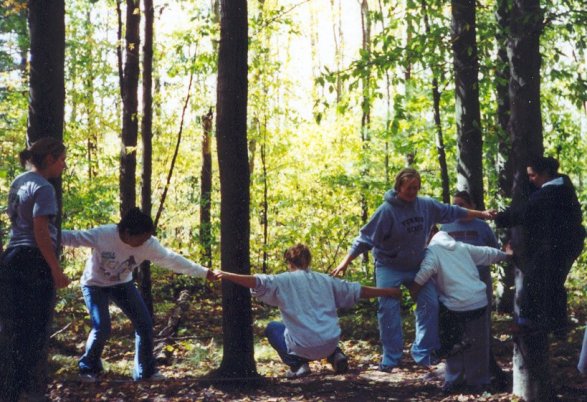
(300, 372)
(156, 376)
(88, 377)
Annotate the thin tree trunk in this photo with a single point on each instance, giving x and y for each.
(437, 121)
(468, 115)
(130, 124)
(531, 370)
(231, 128)
(144, 270)
(206, 188)
(505, 298)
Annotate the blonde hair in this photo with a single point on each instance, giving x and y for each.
(404, 175)
(299, 256)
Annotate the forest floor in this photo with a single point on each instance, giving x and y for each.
(196, 351)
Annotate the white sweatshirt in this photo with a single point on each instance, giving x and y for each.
(112, 261)
(454, 266)
(308, 301)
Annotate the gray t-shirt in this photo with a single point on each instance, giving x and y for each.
(30, 196)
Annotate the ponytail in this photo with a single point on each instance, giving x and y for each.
(37, 153)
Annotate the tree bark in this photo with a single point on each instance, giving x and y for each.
(144, 271)
(531, 370)
(231, 125)
(128, 153)
(505, 298)
(46, 21)
(468, 115)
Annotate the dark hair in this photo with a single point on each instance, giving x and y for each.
(38, 151)
(545, 164)
(404, 175)
(464, 195)
(299, 256)
(135, 222)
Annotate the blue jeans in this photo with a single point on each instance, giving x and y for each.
(390, 324)
(275, 335)
(127, 297)
(27, 298)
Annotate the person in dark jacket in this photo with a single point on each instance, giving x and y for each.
(554, 233)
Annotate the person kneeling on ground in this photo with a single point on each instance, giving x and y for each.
(117, 251)
(462, 295)
(307, 301)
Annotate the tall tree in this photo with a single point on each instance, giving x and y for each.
(130, 124)
(231, 133)
(531, 374)
(46, 22)
(468, 115)
(144, 271)
(505, 301)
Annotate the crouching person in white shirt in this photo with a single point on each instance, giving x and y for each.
(307, 301)
(453, 267)
(117, 251)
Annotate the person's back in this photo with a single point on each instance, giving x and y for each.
(308, 302)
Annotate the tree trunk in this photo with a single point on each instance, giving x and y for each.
(162, 354)
(531, 373)
(144, 271)
(130, 83)
(505, 298)
(46, 22)
(437, 121)
(206, 189)
(468, 115)
(231, 132)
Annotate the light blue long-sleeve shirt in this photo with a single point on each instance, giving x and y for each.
(308, 302)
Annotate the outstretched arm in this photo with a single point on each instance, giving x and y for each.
(487, 215)
(342, 267)
(368, 292)
(248, 281)
(414, 289)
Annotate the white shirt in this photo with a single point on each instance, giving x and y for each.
(453, 264)
(112, 261)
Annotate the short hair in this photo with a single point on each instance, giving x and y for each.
(38, 151)
(545, 164)
(464, 194)
(404, 175)
(136, 222)
(299, 256)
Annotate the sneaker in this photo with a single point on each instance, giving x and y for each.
(303, 370)
(339, 361)
(88, 377)
(156, 376)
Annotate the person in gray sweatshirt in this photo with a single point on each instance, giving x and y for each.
(308, 301)
(397, 234)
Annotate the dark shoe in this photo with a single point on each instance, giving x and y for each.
(339, 361)
(476, 389)
(386, 369)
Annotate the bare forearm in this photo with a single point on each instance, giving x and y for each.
(368, 292)
(248, 281)
(45, 245)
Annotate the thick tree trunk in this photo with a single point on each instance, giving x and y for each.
(531, 370)
(468, 115)
(46, 22)
(130, 124)
(206, 189)
(231, 125)
(505, 298)
(144, 271)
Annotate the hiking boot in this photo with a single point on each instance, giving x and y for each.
(301, 371)
(339, 361)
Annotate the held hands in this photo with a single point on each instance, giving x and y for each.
(213, 275)
(341, 269)
(488, 214)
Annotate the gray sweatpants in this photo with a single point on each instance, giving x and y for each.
(472, 364)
